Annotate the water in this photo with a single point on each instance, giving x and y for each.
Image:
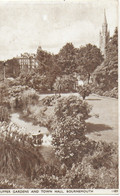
(29, 128)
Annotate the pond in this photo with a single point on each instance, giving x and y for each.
(29, 128)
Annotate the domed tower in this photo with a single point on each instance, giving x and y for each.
(104, 36)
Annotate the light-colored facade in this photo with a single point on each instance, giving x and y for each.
(104, 36)
(27, 61)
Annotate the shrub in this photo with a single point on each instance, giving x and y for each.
(97, 170)
(37, 115)
(69, 127)
(49, 100)
(113, 93)
(29, 97)
(73, 107)
(4, 94)
(84, 90)
(4, 113)
(18, 155)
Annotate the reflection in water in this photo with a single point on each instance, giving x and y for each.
(29, 128)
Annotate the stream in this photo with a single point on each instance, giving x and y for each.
(29, 128)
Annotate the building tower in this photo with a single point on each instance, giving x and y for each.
(104, 36)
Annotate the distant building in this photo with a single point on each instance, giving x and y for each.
(27, 61)
(104, 36)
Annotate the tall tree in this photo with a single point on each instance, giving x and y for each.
(89, 57)
(12, 68)
(106, 75)
(66, 59)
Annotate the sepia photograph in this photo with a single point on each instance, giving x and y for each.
(59, 97)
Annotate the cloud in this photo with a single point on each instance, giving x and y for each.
(26, 24)
(79, 33)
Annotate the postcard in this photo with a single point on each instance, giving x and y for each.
(59, 97)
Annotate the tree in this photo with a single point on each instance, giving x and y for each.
(106, 75)
(44, 60)
(47, 67)
(89, 57)
(12, 68)
(66, 59)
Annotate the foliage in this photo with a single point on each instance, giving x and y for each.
(4, 113)
(112, 93)
(29, 97)
(12, 68)
(68, 128)
(21, 96)
(3, 93)
(47, 67)
(18, 155)
(11, 181)
(84, 90)
(49, 100)
(72, 106)
(39, 111)
(66, 59)
(45, 77)
(88, 59)
(106, 75)
(37, 115)
(98, 169)
(65, 83)
(94, 166)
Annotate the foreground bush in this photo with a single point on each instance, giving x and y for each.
(97, 170)
(94, 165)
(18, 155)
(68, 127)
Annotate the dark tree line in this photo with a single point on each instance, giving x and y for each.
(56, 70)
(106, 75)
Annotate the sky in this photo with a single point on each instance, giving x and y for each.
(25, 25)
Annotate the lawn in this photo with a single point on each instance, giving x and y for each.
(103, 126)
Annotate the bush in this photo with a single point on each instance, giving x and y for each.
(37, 115)
(18, 155)
(100, 91)
(113, 93)
(97, 170)
(29, 97)
(4, 100)
(94, 166)
(68, 127)
(84, 90)
(49, 100)
(4, 113)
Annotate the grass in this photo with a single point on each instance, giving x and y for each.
(105, 127)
